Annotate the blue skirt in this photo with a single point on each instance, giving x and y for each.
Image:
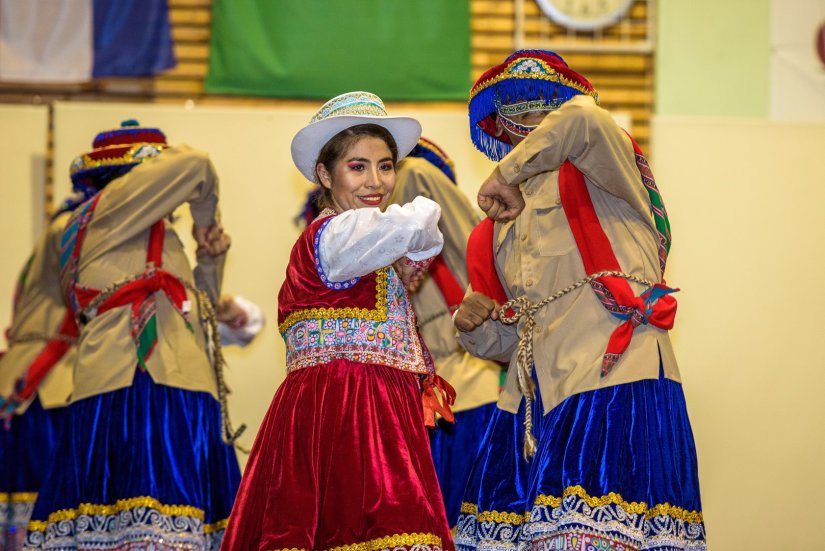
(454, 446)
(142, 467)
(26, 451)
(615, 469)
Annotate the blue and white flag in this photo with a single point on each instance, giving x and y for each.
(80, 40)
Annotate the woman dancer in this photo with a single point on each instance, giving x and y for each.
(342, 458)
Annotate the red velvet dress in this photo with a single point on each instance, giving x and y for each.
(342, 457)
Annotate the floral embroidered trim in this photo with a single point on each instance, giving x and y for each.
(124, 504)
(128, 524)
(580, 539)
(335, 285)
(379, 313)
(411, 361)
(393, 341)
(551, 521)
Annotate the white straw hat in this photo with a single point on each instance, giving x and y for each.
(345, 111)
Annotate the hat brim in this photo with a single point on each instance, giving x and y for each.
(307, 143)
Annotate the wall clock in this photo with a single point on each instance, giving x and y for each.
(585, 15)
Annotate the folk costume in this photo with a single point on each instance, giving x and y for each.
(429, 172)
(33, 423)
(342, 460)
(591, 447)
(144, 460)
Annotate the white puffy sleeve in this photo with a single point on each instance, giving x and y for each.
(359, 241)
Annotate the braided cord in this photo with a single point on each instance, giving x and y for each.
(210, 320)
(209, 317)
(521, 307)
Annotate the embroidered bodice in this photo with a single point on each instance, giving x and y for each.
(367, 319)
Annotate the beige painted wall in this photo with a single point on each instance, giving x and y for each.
(745, 199)
(712, 57)
(23, 160)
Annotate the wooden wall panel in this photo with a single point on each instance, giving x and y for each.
(624, 80)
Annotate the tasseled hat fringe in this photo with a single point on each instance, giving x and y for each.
(525, 75)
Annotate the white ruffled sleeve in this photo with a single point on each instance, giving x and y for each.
(359, 241)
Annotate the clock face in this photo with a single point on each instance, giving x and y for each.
(585, 14)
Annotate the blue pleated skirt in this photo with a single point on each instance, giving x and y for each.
(615, 469)
(142, 467)
(454, 446)
(26, 452)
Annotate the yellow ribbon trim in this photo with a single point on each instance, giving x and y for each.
(379, 313)
(215, 526)
(387, 542)
(390, 542)
(123, 505)
(634, 507)
(18, 497)
(495, 516)
(125, 159)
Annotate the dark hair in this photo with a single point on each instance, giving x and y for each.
(335, 148)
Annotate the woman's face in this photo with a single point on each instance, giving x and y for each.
(364, 176)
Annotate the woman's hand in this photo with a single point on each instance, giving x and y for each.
(412, 273)
(230, 312)
(475, 309)
(499, 200)
(211, 240)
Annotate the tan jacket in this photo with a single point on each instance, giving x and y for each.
(476, 380)
(115, 248)
(37, 316)
(537, 256)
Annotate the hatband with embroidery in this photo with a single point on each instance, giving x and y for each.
(343, 112)
(114, 153)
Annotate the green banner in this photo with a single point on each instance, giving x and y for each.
(399, 49)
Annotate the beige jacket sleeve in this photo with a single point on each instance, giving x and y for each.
(151, 192)
(585, 134)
